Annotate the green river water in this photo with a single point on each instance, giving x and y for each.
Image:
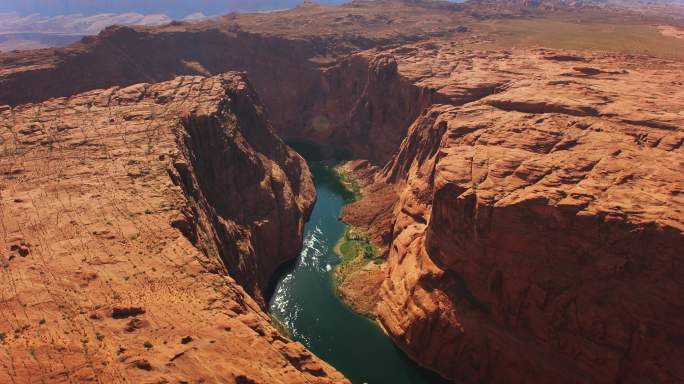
(304, 301)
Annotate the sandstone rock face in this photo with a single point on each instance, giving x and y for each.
(538, 227)
(282, 51)
(250, 193)
(345, 104)
(363, 104)
(298, 61)
(530, 212)
(125, 240)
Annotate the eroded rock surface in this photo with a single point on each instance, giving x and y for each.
(539, 218)
(282, 51)
(298, 60)
(132, 218)
(530, 213)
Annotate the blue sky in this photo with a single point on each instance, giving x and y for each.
(173, 8)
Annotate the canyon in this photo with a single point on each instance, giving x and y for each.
(527, 201)
(120, 219)
(535, 232)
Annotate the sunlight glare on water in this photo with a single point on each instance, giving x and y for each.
(305, 302)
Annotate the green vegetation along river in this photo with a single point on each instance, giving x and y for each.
(305, 303)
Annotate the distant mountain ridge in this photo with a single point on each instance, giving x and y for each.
(75, 23)
(175, 9)
(33, 24)
(38, 31)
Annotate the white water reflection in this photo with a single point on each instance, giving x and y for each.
(312, 257)
(288, 311)
(306, 303)
(314, 250)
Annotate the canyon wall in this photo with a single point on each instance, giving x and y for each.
(364, 105)
(297, 60)
(122, 56)
(139, 225)
(344, 104)
(250, 192)
(537, 230)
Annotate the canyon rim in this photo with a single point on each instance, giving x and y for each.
(517, 172)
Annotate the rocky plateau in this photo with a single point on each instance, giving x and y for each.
(537, 223)
(123, 262)
(528, 200)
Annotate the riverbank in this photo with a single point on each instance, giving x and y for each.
(306, 303)
(359, 275)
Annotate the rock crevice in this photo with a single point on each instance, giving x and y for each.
(234, 156)
(529, 243)
(154, 215)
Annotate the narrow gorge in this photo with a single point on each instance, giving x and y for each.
(524, 205)
(125, 260)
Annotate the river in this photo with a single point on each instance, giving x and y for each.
(304, 301)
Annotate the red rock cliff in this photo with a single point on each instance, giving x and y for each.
(296, 60)
(126, 244)
(363, 104)
(250, 193)
(538, 228)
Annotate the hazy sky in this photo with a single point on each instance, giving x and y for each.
(173, 8)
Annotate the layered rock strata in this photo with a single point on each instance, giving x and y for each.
(136, 222)
(282, 51)
(537, 227)
(531, 210)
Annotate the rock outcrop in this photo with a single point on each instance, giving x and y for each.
(138, 227)
(282, 52)
(311, 65)
(530, 210)
(538, 226)
(363, 104)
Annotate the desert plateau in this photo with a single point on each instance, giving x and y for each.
(373, 191)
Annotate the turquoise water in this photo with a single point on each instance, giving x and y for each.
(305, 302)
